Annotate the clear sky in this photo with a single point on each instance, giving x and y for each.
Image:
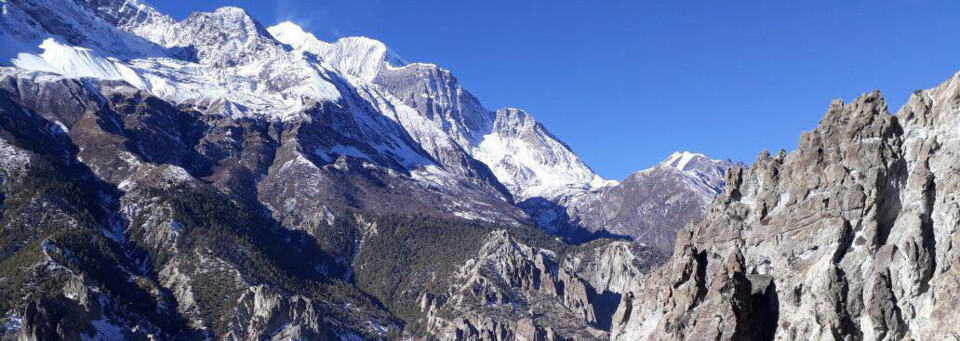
(625, 83)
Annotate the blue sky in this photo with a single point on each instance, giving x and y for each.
(625, 83)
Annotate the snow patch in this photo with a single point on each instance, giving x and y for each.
(104, 331)
(359, 57)
(680, 160)
(349, 151)
(278, 86)
(77, 62)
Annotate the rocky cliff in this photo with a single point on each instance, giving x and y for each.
(849, 237)
(513, 291)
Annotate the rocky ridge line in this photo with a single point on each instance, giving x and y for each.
(851, 236)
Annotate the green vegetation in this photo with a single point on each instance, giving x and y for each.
(259, 248)
(41, 205)
(407, 256)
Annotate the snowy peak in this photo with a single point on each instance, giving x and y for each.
(231, 11)
(359, 57)
(649, 205)
(706, 172)
(132, 16)
(437, 96)
(294, 35)
(521, 153)
(231, 65)
(226, 37)
(224, 56)
(530, 161)
(685, 160)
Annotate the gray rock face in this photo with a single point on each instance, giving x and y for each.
(436, 94)
(610, 267)
(505, 278)
(848, 237)
(512, 291)
(266, 313)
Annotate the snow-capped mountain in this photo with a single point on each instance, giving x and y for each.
(281, 71)
(709, 174)
(359, 57)
(253, 182)
(530, 161)
(523, 155)
(408, 117)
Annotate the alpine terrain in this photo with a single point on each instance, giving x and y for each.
(215, 178)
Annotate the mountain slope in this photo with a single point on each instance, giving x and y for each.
(186, 252)
(648, 206)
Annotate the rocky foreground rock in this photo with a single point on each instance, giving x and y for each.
(850, 237)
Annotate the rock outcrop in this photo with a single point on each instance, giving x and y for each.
(512, 291)
(850, 237)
